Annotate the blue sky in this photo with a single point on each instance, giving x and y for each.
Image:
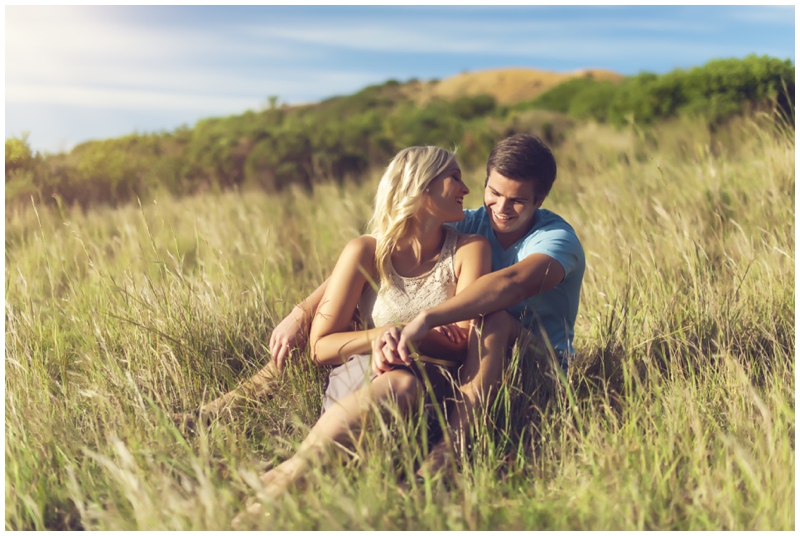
(90, 72)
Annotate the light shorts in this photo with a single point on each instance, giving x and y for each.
(356, 373)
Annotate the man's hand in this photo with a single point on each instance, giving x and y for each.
(384, 352)
(412, 334)
(288, 335)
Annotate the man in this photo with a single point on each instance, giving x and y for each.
(533, 290)
(537, 271)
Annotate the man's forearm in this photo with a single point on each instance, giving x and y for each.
(498, 290)
(488, 294)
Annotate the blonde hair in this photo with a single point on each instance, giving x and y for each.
(400, 194)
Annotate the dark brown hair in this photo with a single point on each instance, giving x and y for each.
(522, 157)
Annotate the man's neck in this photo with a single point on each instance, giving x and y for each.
(506, 240)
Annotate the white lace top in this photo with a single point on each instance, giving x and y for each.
(407, 296)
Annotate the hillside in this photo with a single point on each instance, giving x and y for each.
(509, 86)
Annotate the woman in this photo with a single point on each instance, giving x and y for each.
(417, 262)
(400, 193)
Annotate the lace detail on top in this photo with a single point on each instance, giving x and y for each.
(407, 296)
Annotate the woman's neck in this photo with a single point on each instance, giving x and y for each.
(419, 248)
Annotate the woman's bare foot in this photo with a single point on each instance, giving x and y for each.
(276, 481)
(252, 514)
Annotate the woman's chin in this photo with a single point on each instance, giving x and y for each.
(456, 217)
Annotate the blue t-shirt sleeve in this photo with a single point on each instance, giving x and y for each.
(560, 244)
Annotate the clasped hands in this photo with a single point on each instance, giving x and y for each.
(397, 345)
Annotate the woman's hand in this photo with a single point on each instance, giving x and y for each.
(453, 332)
(288, 335)
(384, 351)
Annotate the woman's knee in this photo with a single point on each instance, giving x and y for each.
(403, 385)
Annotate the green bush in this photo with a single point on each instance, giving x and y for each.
(561, 97)
(716, 91)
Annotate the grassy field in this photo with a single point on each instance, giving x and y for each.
(679, 413)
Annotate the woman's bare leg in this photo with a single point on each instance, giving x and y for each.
(258, 386)
(340, 425)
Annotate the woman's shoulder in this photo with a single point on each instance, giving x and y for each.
(364, 241)
(363, 245)
(473, 241)
(473, 250)
(470, 247)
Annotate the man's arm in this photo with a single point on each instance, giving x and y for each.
(535, 274)
(292, 330)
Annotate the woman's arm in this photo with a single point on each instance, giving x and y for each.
(330, 340)
(473, 259)
(293, 329)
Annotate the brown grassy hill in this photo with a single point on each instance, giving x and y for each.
(507, 86)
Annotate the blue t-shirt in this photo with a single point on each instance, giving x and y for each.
(554, 311)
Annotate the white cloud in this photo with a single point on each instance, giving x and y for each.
(565, 39)
(224, 96)
(47, 44)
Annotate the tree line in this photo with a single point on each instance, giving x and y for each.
(341, 138)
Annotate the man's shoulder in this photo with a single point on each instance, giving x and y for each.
(551, 232)
(553, 236)
(547, 219)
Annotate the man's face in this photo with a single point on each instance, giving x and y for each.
(511, 205)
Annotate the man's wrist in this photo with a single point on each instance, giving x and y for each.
(425, 318)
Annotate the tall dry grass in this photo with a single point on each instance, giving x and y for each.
(679, 413)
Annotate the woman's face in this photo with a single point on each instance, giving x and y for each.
(445, 194)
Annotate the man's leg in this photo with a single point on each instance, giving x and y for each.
(480, 377)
